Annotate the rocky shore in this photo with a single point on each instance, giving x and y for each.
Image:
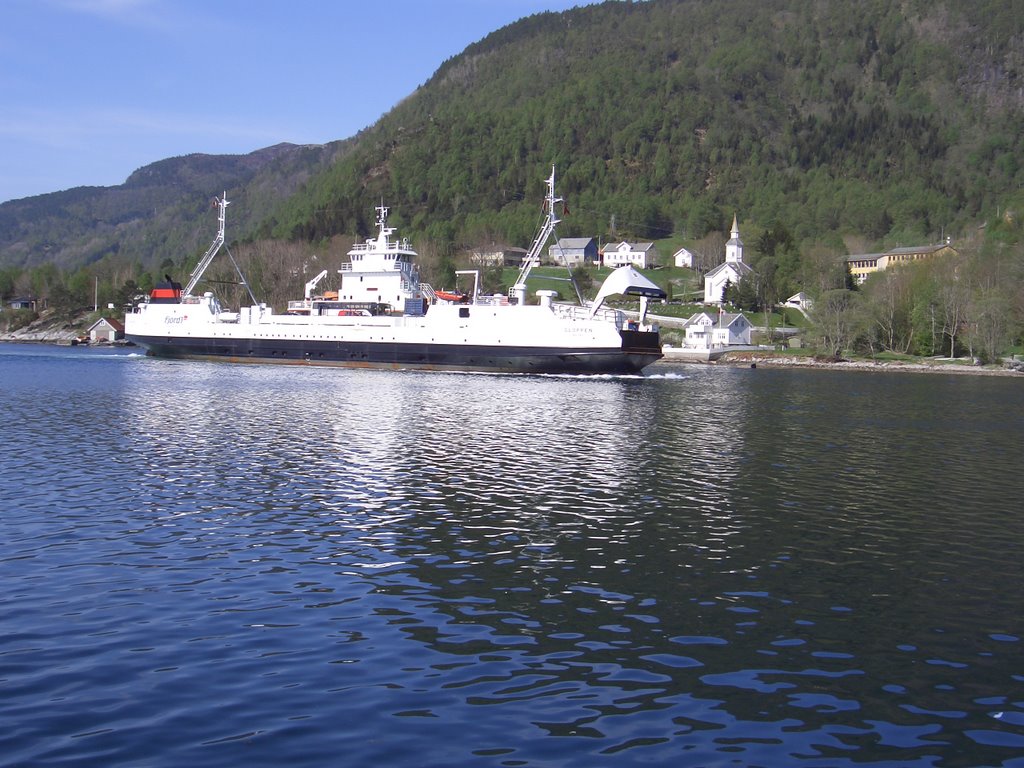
(45, 330)
(931, 365)
(62, 337)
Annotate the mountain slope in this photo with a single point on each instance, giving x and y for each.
(159, 212)
(893, 121)
(887, 119)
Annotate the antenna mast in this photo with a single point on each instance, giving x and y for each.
(215, 246)
(532, 258)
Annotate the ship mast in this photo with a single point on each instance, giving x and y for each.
(550, 220)
(218, 241)
(532, 258)
(215, 246)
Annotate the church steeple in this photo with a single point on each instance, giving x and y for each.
(734, 248)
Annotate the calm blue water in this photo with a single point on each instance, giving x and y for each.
(215, 565)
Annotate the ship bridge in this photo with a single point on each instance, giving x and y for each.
(381, 270)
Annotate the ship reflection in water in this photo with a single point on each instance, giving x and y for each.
(269, 565)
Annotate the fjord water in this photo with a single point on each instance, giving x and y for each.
(217, 565)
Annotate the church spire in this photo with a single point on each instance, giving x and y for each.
(734, 248)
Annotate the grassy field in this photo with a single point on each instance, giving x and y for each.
(682, 286)
(679, 283)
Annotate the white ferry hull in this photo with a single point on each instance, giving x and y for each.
(397, 356)
(498, 341)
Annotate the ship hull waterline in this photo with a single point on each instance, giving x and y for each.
(631, 358)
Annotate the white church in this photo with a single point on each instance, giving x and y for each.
(732, 271)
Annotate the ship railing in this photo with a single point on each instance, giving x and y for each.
(496, 300)
(391, 266)
(578, 313)
(389, 245)
(208, 300)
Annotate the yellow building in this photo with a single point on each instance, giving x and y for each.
(863, 264)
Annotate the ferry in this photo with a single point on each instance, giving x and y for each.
(383, 316)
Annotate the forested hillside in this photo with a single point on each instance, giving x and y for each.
(155, 215)
(891, 122)
(885, 122)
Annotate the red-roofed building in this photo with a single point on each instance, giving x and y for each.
(106, 329)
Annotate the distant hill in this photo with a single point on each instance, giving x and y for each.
(893, 121)
(161, 210)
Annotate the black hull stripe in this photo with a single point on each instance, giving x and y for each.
(631, 358)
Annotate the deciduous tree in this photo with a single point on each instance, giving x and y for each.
(835, 319)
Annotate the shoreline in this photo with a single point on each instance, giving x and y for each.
(749, 359)
(729, 360)
(737, 359)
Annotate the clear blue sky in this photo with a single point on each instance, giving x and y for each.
(91, 90)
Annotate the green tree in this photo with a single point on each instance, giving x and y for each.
(8, 276)
(743, 294)
(953, 301)
(888, 306)
(835, 317)
(492, 279)
(584, 279)
(704, 217)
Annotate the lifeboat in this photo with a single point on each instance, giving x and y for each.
(453, 297)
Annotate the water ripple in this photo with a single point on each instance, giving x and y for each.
(218, 565)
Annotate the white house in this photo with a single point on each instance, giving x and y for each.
(27, 302)
(799, 301)
(640, 255)
(732, 271)
(683, 258)
(704, 330)
(106, 329)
